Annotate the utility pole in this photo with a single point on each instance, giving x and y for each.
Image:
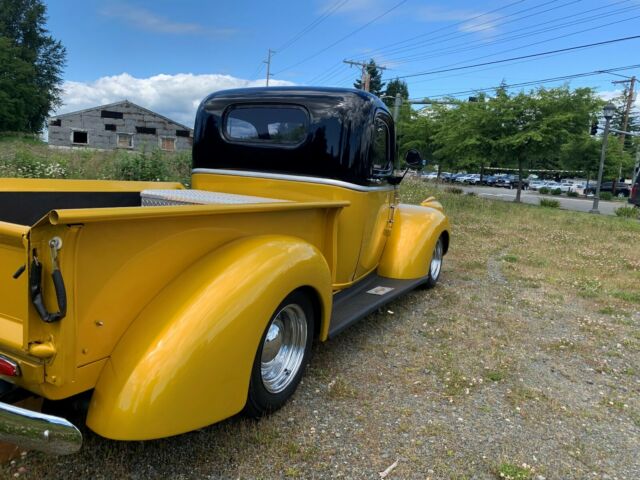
(629, 94)
(268, 62)
(365, 80)
(608, 115)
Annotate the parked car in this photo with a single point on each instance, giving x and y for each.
(578, 188)
(551, 184)
(622, 190)
(489, 180)
(536, 184)
(510, 181)
(472, 179)
(430, 175)
(565, 186)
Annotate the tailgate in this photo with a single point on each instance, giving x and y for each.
(14, 301)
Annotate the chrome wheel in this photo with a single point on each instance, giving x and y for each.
(283, 348)
(436, 261)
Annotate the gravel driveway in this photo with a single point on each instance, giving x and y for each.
(515, 364)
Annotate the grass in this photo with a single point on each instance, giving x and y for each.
(549, 203)
(529, 341)
(628, 212)
(28, 157)
(508, 471)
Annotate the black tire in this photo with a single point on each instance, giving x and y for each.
(434, 274)
(260, 400)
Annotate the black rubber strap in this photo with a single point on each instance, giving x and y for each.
(35, 275)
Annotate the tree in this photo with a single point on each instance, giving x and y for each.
(393, 88)
(31, 66)
(375, 79)
(521, 130)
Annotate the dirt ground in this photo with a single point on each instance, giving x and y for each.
(523, 363)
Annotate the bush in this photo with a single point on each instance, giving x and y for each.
(140, 166)
(628, 212)
(605, 196)
(544, 190)
(547, 202)
(556, 191)
(572, 194)
(454, 190)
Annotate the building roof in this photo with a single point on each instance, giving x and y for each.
(122, 102)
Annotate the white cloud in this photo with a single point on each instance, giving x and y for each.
(486, 23)
(608, 95)
(174, 96)
(143, 19)
(358, 10)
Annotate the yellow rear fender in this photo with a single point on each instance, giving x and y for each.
(186, 361)
(415, 231)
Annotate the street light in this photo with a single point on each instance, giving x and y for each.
(607, 112)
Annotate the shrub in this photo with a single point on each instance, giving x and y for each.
(556, 191)
(544, 190)
(454, 190)
(605, 196)
(572, 194)
(547, 202)
(140, 166)
(628, 212)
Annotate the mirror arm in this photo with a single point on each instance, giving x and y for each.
(393, 180)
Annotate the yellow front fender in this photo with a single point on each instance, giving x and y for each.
(415, 231)
(185, 362)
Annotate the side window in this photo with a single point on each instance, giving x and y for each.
(381, 156)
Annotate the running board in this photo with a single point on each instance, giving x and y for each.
(365, 297)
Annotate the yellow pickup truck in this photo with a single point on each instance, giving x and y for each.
(168, 308)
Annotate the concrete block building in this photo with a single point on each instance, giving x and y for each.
(123, 125)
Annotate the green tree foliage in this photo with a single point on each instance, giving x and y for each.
(31, 63)
(541, 129)
(393, 88)
(375, 79)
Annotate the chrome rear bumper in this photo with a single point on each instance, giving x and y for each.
(37, 431)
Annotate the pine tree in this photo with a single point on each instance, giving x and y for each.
(375, 79)
(30, 67)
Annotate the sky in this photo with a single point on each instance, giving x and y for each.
(168, 55)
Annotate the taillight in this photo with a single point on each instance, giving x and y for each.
(634, 191)
(9, 367)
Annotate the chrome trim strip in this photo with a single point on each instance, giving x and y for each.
(295, 178)
(37, 431)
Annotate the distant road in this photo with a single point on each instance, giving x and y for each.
(533, 197)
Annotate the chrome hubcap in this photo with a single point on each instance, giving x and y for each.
(436, 261)
(283, 348)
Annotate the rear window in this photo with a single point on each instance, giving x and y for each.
(281, 125)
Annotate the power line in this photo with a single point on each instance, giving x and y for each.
(342, 39)
(546, 41)
(327, 73)
(518, 33)
(544, 80)
(381, 49)
(549, 52)
(489, 24)
(312, 25)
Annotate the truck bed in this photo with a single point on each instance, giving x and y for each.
(116, 256)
